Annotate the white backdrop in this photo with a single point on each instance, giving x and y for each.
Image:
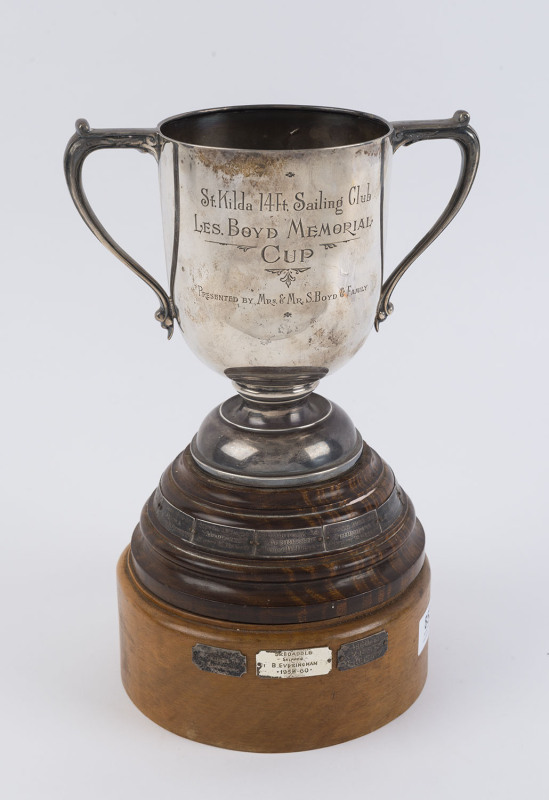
(452, 391)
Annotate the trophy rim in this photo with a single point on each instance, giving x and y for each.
(271, 107)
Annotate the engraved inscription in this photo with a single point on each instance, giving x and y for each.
(277, 255)
(351, 532)
(219, 660)
(223, 539)
(362, 651)
(290, 299)
(271, 222)
(272, 543)
(288, 543)
(294, 663)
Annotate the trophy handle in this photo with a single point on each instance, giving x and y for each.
(84, 142)
(406, 133)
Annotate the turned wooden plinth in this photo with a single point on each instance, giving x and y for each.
(275, 620)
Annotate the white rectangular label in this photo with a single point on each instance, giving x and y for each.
(294, 663)
(423, 630)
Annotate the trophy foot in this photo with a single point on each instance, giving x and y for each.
(276, 432)
(275, 619)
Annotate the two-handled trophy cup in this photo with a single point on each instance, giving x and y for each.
(275, 596)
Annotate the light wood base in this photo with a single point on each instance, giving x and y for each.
(264, 714)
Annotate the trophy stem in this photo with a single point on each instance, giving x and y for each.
(275, 384)
(267, 393)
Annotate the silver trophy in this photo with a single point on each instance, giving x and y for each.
(274, 222)
(275, 596)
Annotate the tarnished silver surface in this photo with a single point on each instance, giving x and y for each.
(270, 444)
(406, 133)
(278, 258)
(84, 142)
(219, 660)
(362, 651)
(274, 220)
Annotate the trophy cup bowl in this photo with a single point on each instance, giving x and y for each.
(278, 518)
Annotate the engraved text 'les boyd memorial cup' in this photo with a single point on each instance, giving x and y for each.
(275, 595)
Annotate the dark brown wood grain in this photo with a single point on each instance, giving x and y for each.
(365, 486)
(202, 576)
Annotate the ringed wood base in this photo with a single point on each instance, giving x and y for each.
(263, 714)
(275, 620)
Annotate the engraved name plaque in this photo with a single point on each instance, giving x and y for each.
(219, 660)
(294, 663)
(356, 654)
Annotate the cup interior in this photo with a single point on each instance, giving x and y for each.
(274, 128)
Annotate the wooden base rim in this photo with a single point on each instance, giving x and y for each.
(218, 682)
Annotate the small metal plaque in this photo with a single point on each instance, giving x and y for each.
(173, 519)
(355, 654)
(391, 509)
(277, 543)
(294, 663)
(352, 532)
(222, 538)
(297, 542)
(216, 659)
